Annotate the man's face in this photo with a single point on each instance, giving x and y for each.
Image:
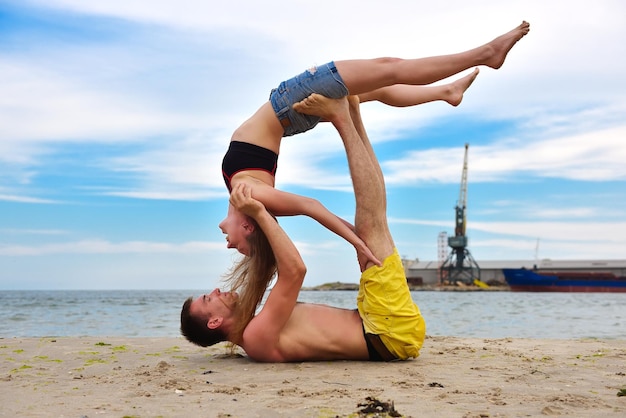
(214, 304)
(237, 227)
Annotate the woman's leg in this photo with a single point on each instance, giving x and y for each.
(361, 76)
(403, 95)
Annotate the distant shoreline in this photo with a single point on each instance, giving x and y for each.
(434, 287)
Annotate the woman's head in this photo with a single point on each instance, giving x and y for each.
(238, 227)
(250, 276)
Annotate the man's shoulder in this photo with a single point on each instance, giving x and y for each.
(259, 347)
(260, 337)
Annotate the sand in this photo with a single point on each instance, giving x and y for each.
(168, 377)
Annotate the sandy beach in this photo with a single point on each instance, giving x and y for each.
(168, 377)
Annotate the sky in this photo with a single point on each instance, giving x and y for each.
(115, 115)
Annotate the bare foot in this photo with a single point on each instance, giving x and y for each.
(324, 107)
(455, 90)
(501, 46)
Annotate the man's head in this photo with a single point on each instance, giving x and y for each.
(238, 227)
(250, 277)
(207, 319)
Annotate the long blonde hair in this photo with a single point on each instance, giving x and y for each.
(250, 277)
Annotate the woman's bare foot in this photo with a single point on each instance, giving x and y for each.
(456, 89)
(500, 47)
(324, 107)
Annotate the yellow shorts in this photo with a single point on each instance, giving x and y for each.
(387, 309)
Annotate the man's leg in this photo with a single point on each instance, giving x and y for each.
(362, 76)
(392, 323)
(362, 173)
(386, 289)
(367, 178)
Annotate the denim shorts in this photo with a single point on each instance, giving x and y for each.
(322, 79)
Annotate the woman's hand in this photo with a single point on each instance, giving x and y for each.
(242, 200)
(364, 255)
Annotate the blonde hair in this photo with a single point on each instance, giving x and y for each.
(250, 277)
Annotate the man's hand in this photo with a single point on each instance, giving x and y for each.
(242, 200)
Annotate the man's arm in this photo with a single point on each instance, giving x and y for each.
(263, 331)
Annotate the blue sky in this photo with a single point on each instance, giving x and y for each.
(114, 117)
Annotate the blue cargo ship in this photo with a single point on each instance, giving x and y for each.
(524, 280)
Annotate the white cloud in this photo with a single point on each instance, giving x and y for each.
(14, 231)
(588, 231)
(107, 247)
(42, 106)
(595, 231)
(551, 210)
(26, 199)
(528, 249)
(590, 156)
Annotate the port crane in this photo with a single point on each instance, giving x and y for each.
(460, 266)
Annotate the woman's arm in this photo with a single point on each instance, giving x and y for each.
(281, 203)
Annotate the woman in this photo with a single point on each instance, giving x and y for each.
(253, 152)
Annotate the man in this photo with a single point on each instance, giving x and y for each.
(387, 324)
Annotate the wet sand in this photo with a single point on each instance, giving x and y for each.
(168, 377)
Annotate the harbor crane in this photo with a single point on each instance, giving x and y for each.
(460, 266)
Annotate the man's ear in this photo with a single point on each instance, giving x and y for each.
(214, 322)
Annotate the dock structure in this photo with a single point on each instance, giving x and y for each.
(427, 272)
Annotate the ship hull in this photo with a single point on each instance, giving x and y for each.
(522, 280)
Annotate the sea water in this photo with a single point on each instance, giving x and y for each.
(156, 313)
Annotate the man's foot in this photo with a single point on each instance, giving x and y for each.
(501, 46)
(324, 107)
(455, 90)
